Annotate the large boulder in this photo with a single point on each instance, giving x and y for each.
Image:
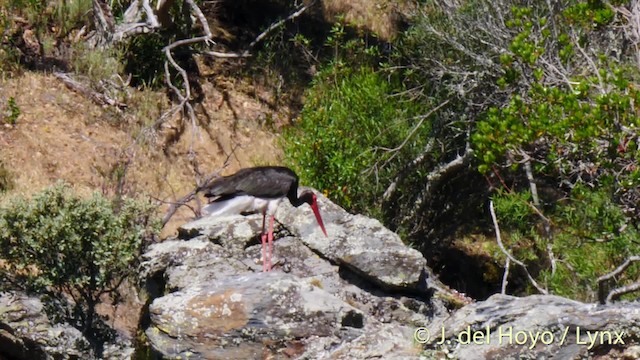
(358, 292)
(534, 327)
(26, 332)
(242, 316)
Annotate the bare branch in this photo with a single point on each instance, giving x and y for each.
(190, 196)
(99, 98)
(505, 277)
(225, 55)
(508, 255)
(150, 16)
(532, 182)
(274, 26)
(417, 161)
(605, 298)
(186, 97)
(437, 175)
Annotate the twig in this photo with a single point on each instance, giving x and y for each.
(505, 277)
(434, 177)
(616, 293)
(532, 182)
(507, 254)
(225, 55)
(412, 132)
(190, 196)
(186, 97)
(99, 98)
(200, 185)
(274, 26)
(391, 189)
(552, 259)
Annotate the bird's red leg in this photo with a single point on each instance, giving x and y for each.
(270, 239)
(263, 238)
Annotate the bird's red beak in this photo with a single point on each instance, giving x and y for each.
(316, 212)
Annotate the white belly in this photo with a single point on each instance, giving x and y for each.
(241, 204)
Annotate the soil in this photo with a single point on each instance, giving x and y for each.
(61, 135)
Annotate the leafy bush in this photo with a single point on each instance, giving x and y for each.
(97, 64)
(591, 236)
(64, 245)
(70, 15)
(11, 112)
(343, 139)
(575, 126)
(570, 113)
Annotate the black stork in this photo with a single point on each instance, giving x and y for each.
(259, 189)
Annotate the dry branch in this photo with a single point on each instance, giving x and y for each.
(190, 196)
(606, 298)
(274, 26)
(435, 177)
(508, 255)
(97, 97)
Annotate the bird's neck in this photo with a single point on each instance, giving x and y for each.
(297, 201)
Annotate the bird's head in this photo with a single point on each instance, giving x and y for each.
(310, 198)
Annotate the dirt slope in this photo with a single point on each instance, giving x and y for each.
(61, 135)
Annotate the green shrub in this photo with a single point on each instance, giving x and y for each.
(593, 239)
(96, 64)
(72, 14)
(591, 236)
(61, 244)
(570, 113)
(345, 133)
(11, 112)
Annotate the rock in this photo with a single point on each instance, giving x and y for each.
(361, 243)
(380, 341)
(359, 293)
(243, 317)
(175, 264)
(537, 326)
(26, 332)
(212, 300)
(233, 232)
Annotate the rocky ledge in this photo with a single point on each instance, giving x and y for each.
(359, 293)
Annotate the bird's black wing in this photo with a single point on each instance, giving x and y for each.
(264, 182)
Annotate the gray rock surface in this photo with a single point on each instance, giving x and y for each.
(359, 292)
(361, 243)
(535, 327)
(26, 332)
(235, 318)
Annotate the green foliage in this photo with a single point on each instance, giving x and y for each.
(70, 15)
(11, 112)
(76, 247)
(515, 210)
(96, 64)
(580, 120)
(349, 119)
(591, 236)
(568, 125)
(594, 240)
(144, 60)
